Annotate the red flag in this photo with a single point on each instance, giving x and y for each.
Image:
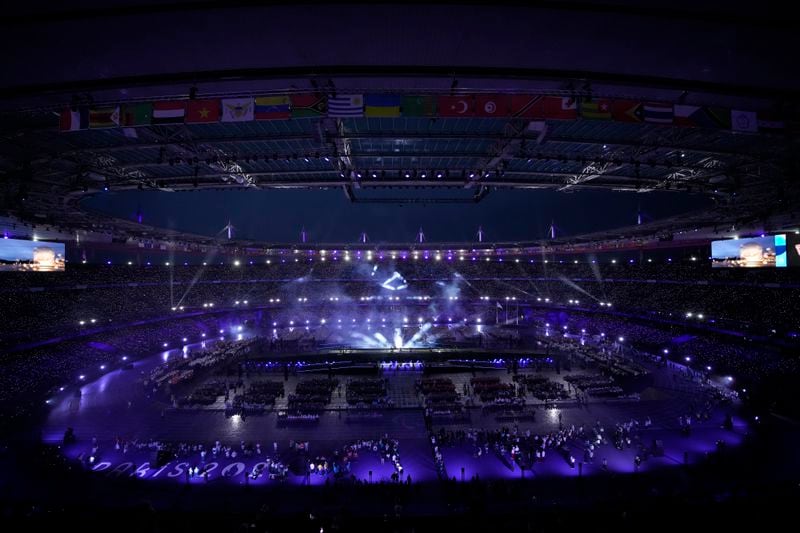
(560, 107)
(492, 105)
(527, 106)
(457, 106)
(627, 111)
(202, 111)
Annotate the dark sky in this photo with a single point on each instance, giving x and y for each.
(278, 215)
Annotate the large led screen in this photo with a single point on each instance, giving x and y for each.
(751, 252)
(31, 256)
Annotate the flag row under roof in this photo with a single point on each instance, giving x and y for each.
(516, 106)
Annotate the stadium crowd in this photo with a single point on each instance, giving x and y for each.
(758, 301)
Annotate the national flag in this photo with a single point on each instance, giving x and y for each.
(527, 106)
(559, 107)
(202, 111)
(596, 109)
(238, 110)
(492, 105)
(104, 117)
(346, 105)
(627, 111)
(688, 115)
(136, 114)
(382, 105)
(701, 116)
(744, 121)
(70, 120)
(658, 113)
(168, 112)
(308, 105)
(418, 106)
(273, 108)
(769, 123)
(720, 116)
(456, 106)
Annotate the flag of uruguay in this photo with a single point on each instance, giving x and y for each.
(350, 105)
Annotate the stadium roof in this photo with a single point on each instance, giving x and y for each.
(469, 156)
(388, 159)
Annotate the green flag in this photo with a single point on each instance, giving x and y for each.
(137, 114)
(418, 106)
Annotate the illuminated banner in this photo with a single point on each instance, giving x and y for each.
(754, 252)
(31, 256)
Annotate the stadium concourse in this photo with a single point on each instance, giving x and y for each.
(329, 267)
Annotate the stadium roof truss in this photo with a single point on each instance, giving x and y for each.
(469, 157)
